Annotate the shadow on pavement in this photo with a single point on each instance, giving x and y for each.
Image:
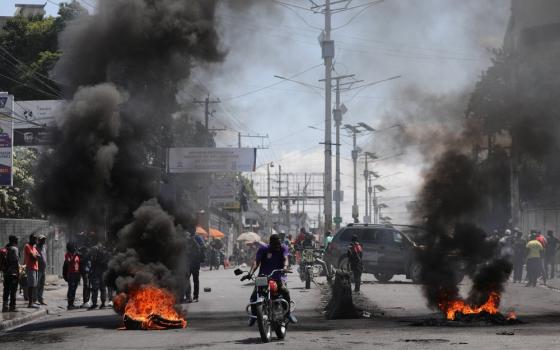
(112, 321)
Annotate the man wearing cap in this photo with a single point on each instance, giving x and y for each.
(534, 260)
(42, 273)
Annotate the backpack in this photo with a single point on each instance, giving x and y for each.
(354, 254)
(3, 259)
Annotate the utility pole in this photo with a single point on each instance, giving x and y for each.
(207, 113)
(279, 191)
(355, 213)
(327, 46)
(355, 130)
(367, 216)
(338, 112)
(269, 199)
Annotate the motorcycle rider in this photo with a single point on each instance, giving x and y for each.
(270, 257)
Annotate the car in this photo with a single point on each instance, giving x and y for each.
(388, 250)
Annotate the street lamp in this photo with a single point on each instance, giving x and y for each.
(370, 155)
(376, 188)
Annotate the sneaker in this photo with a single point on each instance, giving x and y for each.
(110, 304)
(86, 305)
(43, 303)
(195, 300)
(102, 306)
(71, 307)
(291, 318)
(93, 307)
(32, 306)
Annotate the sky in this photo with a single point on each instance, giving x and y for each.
(439, 47)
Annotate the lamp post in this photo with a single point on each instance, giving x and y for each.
(376, 188)
(367, 217)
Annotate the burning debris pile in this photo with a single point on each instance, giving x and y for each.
(121, 70)
(451, 194)
(149, 307)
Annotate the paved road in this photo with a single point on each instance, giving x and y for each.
(218, 321)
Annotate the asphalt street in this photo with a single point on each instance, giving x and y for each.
(219, 321)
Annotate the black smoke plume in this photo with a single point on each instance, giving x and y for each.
(121, 70)
(451, 196)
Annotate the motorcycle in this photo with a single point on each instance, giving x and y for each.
(311, 265)
(270, 309)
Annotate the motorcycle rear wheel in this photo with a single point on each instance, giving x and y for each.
(263, 322)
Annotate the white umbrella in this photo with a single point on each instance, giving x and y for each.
(249, 237)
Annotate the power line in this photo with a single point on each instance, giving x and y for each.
(29, 86)
(365, 7)
(271, 85)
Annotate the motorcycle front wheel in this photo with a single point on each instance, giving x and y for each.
(263, 322)
(280, 330)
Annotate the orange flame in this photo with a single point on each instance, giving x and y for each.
(145, 302)
(511, 316)
(451, 307)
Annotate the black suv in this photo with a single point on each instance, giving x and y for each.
(388, 251)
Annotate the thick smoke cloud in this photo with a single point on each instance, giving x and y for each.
(121, 69)
(452, 194)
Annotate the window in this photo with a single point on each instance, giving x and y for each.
(346, 235)
(388, 237)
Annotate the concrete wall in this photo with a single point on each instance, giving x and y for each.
(56, 240)
(542, 219)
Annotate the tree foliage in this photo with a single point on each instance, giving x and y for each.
(15, 201)
(29, 51)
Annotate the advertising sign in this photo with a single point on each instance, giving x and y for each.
(6, 138)
(211, 160)
(36, 114)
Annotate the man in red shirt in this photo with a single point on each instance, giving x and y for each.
(71, 273)
(31, 259)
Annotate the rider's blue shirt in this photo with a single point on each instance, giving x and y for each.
(271, 260)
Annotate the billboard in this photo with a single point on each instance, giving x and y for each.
(211, 160)
(6, 138)
(36, 114)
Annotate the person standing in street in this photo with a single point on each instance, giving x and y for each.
(99, 259)
(196, 253)
(10, 270)
(534, 260)
(31, 259)
(550, 254)
(71, 273)
(519, 245)
(42, 249)
(355, 254)
(85, 265)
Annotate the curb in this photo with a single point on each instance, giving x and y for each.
(4, 325)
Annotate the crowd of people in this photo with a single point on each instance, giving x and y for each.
(538, 254)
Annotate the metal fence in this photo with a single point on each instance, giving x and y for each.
(22, 228)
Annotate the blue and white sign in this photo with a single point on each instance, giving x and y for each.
(6, 138)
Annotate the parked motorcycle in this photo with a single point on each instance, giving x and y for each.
(270, 309)
(312, 265)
